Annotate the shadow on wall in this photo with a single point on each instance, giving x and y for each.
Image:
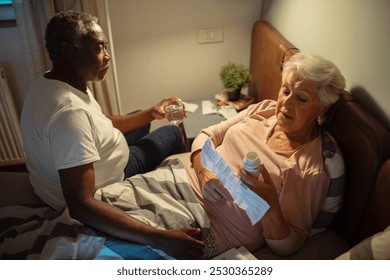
(266, 4)
(365, 99)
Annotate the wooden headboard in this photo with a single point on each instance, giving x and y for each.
(268, 51)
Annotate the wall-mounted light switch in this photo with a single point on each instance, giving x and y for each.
(210, 35)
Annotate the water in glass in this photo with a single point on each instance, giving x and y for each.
(174, 112)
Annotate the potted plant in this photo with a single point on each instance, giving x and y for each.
(233, 77)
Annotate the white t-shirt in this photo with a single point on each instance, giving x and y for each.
(63, 127)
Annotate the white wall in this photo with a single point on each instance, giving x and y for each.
(157, 53)
(355, 34)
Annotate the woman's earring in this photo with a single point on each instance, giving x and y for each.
(321, 119)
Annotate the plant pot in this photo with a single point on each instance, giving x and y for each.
(234, 95)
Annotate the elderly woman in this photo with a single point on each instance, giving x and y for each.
(73, 149)
(286, 135)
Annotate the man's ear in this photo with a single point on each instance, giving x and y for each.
(66, 50)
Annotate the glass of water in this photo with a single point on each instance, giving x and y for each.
(174, 111)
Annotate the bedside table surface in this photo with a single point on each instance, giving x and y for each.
(196, 121)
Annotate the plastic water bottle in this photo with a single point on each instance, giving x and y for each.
(251, 164)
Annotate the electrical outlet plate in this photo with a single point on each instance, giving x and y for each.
(210, 35)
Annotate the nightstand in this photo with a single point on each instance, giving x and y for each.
(196, 121)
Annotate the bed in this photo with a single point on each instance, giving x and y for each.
(31, 230)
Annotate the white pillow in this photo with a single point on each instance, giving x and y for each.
(376, 247)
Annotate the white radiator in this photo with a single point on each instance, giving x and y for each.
(11, 151)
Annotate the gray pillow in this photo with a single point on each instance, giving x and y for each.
(335, 166)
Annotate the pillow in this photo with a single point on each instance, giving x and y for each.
(376, 247)
(334, 164)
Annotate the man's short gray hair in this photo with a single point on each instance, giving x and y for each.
(67, 26)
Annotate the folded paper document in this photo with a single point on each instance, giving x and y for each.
(245, 198)
(236, 254)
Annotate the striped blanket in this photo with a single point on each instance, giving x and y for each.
(162, 198)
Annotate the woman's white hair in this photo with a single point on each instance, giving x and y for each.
(322, 72)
